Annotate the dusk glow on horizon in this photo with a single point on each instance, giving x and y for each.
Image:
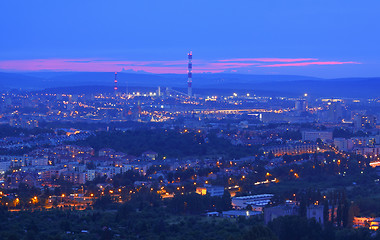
(158, 67)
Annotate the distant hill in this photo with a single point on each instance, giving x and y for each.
(59, 79)
(290, 85)
(342, 87)
(16, 80)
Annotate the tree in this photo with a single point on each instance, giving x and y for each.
(352, 212)
(345, 214)
(295, 228)
(333, 214)
(225, 202)
(326, 212)
(259, 232)
(103, 202)
(303, 207)
(339, 215)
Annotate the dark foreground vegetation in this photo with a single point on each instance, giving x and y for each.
(168, 143)
(146, 220)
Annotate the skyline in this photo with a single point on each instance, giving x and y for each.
(327, 38)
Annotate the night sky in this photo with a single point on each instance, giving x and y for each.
(322, 38)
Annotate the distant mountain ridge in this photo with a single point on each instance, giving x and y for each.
(286, 84)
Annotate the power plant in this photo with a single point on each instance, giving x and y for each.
(169, 90)
(190, 74)
(115, 87)
(189, 80)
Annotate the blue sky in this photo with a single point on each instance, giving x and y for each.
(340, 38)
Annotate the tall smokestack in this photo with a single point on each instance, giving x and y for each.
(115, 87)
(190, 74)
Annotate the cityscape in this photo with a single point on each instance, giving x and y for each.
(191, 148)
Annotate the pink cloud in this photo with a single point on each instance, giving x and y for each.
(302, 64)
(232, 64)
(87, 65)
(110, 66)
(179, 67)
(268, 60)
